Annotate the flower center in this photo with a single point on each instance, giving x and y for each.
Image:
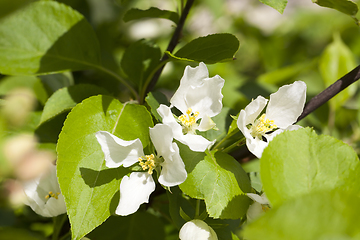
(261, 126)
(148, 163)
(188, 121)
(52, 195)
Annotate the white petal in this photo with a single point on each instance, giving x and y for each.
(162, 137)
(206, 123)
(197, 230)
(37, 189)
(253, 109)
(134, 191)
(241, 124)
(256, 146)
(173, 170)
(254, 211)
(206, 98)
(192, 77)
(270, 137)
(286, 105)
(119, 152)
(169, 119)
(196, 143)
(257, 198)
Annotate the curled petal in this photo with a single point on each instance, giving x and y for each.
(173, 170)
(134, 191)
(253, 110)
(197, 230)
(257, 198)
(119, 152)
(256, 146)
(286, 105)
(206, 98)
(254, 211)
(206, 123)
(192, 77)
(196, 143)
(161, 135)
(169, 119)
(38, 190)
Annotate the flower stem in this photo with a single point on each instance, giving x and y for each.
(238, 143)
(58, 223)
(232, 133)
(197, 208)
(172, 44)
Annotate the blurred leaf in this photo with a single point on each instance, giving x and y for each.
(46, 37)
(315, 216)
(299, 162)
(91, 190)
(335, 62)
(9, 6)
(128, 228)
(10, 83)
(134, 14)
(65, 99)
(18, 233)
(154, 99)
(219, 179)
(344, 6)
(210, 49)
(139, 60)
(278, 5)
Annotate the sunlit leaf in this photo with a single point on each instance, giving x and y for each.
(278, 5)
(134, 14)
(344, 6)
(46, 37)
(91, 190)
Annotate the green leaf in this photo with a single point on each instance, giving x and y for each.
(299, 162)
(218, 179)
(65, 99)
(315, 216)
(278, 5)
(128, 228)
(336, 61)
(344, 6)
(46, 37)
(11, 233)
(10, 83)
(154, 99)
(139, 60)
(90, 189)
(9, 6)
(152, 12)
(210, 49)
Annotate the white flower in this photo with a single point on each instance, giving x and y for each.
(197, 230)
(44, 196)
(259, 207)
(136, 189)
(198, 98)
(284, 107)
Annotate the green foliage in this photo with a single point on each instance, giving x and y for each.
(217, 178)
(154, 99)
(344, 6)
(91, 190)
(139, 61)
(66, 98)
(278, 5)
(209, 49)
(9, 6)
(317, 215)
(134, 14)
(46, 37)
(300, 162)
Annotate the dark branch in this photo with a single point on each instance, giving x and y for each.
(172, 44)
(330, 92)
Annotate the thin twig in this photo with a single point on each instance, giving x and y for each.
(330, 92)
(172, 44)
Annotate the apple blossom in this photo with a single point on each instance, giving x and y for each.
(259, 207)
(197, 230)
(198, 98)
(43, 193)
(284, 107)
(136, 188)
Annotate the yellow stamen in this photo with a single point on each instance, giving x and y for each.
(261, 126)
(52, 195)
(188, 120)
(148, 164)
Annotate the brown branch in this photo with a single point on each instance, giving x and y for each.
(172, 44)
